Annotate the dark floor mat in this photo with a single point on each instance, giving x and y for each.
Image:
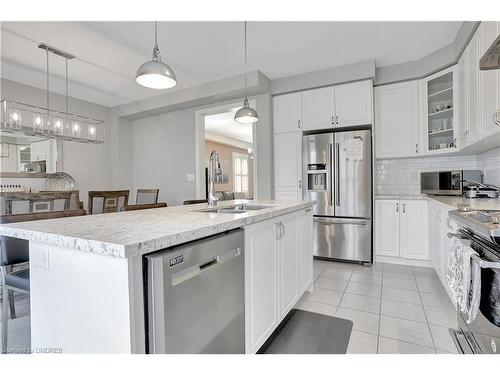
(305, 332)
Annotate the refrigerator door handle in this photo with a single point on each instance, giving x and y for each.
(330, 183)
(337, 179)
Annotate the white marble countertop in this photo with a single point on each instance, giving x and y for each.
(450, 200)
(132, 233)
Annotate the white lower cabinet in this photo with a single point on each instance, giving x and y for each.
(278, 269)
(413, 228)
(401, 228)
(387, 227)
(288, 260)
(261, 283)
(439, 243)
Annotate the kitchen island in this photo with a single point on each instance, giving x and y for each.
(86, 273)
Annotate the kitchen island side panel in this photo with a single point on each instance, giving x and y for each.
(80, 301)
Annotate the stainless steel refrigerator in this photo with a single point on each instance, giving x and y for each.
(337, 174)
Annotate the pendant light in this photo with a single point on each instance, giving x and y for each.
(156, 74)
(246, 114)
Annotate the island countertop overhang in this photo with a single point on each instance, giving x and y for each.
(132, 233)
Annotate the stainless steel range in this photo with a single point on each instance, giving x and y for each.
(482, 229)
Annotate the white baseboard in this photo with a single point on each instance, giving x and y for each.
(403, 261)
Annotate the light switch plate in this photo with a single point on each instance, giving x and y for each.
(40, 259)
(190, 177)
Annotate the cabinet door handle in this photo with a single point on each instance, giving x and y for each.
(333, 120)
(276, 230)
(336, 119)
(300, 184)
(397, 207)
(404, 208)
(298, 124)
(416, 148)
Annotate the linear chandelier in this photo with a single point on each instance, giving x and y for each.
(44, 122)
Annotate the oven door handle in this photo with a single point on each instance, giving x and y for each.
(482, 263)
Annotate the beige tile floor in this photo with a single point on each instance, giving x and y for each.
(394, 308)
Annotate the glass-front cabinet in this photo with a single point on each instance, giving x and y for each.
(440, 120)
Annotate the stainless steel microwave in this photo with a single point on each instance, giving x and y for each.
(447, 182)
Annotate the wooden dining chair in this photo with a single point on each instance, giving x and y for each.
(48, 201)
(194, 201)
(102, 202)
(136, 207)
(147, 196)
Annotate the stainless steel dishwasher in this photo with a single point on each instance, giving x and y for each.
(195, 296)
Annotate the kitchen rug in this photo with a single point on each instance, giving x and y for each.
(305, 332)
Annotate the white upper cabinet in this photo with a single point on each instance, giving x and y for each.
(317, 110)
(473, 118)
(440, 128)
(463, 93)
(396, 120)
(287, 113)
(489, 81)
(338, 106)
(414, 229)
(288, 162)
(353, 104)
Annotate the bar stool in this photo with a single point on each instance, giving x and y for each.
(18, 281)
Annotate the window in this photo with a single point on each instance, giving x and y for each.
(240, 172)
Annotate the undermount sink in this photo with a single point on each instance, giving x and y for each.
(236, 208)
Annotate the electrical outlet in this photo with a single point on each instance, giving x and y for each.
(40, 259)
(190, 177)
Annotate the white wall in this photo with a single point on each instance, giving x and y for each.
(402, 176)
(90, 165)
(163, 154)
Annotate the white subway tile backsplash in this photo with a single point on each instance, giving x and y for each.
(395, 176)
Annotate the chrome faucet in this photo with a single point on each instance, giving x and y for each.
(214, 169)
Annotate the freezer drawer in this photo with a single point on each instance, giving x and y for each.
(342, 238)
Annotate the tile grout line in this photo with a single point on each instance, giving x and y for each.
(380, 309)
(425, 314)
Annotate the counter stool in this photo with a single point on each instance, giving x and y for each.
(18, 281)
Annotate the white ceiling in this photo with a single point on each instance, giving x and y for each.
(108, 53)
(223, 124)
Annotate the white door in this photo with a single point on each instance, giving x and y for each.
(414, 229)
(287, 113)
(317, 108)
(387, 227)
(435, 242)
(288, 259)
(463, 96)
(473, 90)
(353, 103)
(488, 82)
(261, 283)
(306, 253)
(288, 162)
(396, 120)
